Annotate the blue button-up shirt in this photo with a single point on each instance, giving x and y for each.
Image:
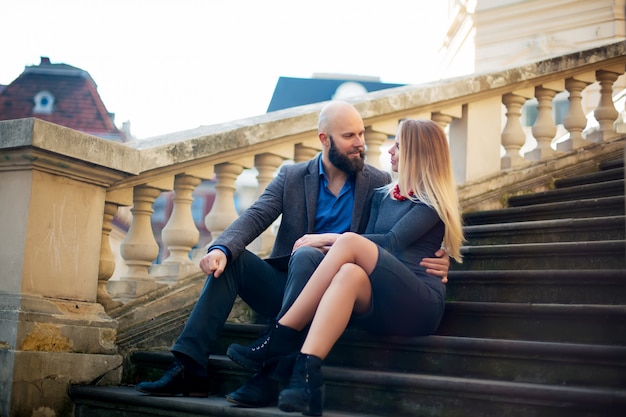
(334, 213)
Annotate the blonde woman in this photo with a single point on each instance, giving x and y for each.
(373, 279)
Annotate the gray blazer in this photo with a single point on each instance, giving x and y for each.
(293, 193)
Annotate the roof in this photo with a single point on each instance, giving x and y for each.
(292, 92)
(61, 94)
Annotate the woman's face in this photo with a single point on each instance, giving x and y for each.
(394, 151)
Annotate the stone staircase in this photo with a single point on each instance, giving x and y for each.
(535, 325)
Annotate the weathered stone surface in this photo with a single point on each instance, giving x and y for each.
(41, 380)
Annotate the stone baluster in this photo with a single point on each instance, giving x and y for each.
(106, 266)
(303, 153)
(266, 165)
(620, 123)
(374, 141)
(544, 129)
(575, 121)
(442, 119)
(223, 212)
(139, 249)
(605, 113)
(180, 233)
(513, 137)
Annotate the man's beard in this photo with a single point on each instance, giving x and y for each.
(343, 162)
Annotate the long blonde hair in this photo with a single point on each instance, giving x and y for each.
(424, 167)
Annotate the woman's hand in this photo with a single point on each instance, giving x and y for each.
(438, 266)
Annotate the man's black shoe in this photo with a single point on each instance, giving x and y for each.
(175, 381)
(258, 391)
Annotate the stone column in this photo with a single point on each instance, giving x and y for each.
(224, 211)
(303, 153)
(374, 141)
(544, 129)
(575, 120)
(266, 165)
(513, 137)
(474, 144)
(442, 119)
(605, 113)
(106, 266)
(139, 248)
(180, 233)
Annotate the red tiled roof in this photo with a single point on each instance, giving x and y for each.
(77, 104)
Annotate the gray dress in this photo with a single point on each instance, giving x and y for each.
(406, 301)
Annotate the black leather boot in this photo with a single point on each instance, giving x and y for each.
(177, 380)
(305, 392)
(276, 342)
(258, 391)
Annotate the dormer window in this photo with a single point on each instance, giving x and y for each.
(349, 89)
(44, 102)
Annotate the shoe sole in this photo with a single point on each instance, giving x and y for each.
(247, 404)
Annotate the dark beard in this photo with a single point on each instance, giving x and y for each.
(343, 162)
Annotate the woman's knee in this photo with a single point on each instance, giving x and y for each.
(351, 275)
(348, 239)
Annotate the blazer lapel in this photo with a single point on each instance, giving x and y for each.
(311, 189)
(361, 191)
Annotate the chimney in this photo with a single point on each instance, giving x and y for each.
(45, 60)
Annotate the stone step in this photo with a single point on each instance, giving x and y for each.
(606, 254)
(579, 286)
(354, 392)
(572, 193)
(569, 364)
(92, 401)
(560, 230)
(608, 174)
(568, 323)
(591, 207)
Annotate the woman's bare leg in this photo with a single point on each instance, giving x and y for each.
(349, 291)
(349, 248)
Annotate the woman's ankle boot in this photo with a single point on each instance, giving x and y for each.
(277, 341)
(305, 392)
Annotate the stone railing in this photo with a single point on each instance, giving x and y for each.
(60, 190)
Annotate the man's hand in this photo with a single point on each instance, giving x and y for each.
(322, 241)
(214, 263)
(438, 266)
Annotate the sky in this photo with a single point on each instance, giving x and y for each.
(171, 65)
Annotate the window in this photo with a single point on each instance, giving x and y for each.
(44, 102)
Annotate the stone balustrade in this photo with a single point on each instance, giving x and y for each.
(60, 190)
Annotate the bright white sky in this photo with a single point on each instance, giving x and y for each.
(170, 65)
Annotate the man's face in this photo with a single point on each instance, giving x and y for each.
(348, 155)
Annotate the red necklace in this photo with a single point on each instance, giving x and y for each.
(398, 196)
